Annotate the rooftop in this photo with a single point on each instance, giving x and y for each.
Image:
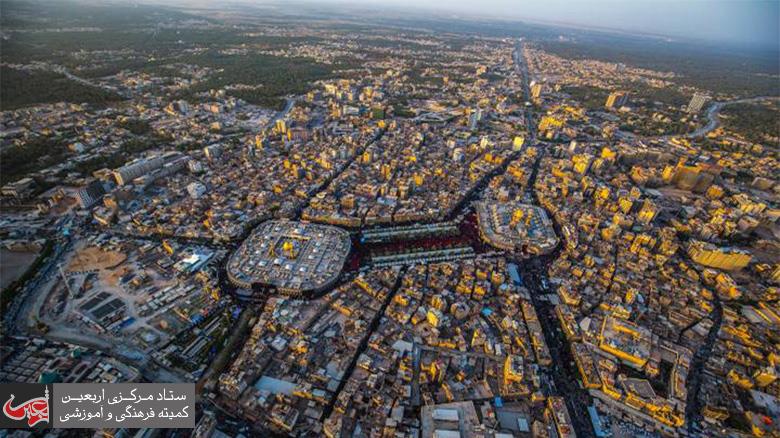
(291, 256)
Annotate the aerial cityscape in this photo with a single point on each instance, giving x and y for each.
(358, 221)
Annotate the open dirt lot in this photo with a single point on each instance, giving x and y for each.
(91, 258)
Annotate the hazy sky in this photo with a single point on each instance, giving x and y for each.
(739, 21)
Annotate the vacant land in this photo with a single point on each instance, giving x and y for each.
(92, 258)
(759, 123)
(278, 76)
(24, 88)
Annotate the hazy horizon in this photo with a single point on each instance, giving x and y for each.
(745, 22)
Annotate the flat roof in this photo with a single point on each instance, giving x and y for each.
(439, 433)
(443, 414)
(275, 386)
(290, 255)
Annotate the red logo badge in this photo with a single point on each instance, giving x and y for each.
(34, 410)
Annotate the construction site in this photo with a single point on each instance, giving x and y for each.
(138, 293)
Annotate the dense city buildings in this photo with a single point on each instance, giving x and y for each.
(338, 228)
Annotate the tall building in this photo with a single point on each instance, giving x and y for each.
(765, 376)
(194, 166)
(697, 178)
(206, 426)
(178, 107)
(172, 161)
(212, 151)
(196, 190)
(513, 368)
(281, 126)
(536, 91)
(616, 99)
(648, 212)
(136, 168)
(517, 143)
(714, 257)
(474, 119)
(697, 103)
(90, 194)
(20, 189)
(549, 122)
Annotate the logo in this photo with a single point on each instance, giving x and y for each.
(35, 410)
